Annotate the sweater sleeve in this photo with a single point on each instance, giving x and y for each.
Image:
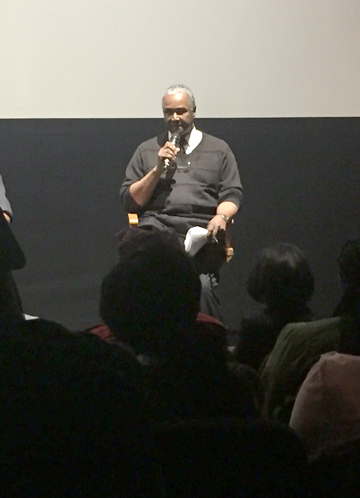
(230, 187)
(134, 172)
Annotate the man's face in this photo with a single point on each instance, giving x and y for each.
(178, 115)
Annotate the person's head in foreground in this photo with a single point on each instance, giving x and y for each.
(152, 295)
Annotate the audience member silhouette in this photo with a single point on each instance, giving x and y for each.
(227, 458)
(299, 346)
(282, 280)
(11, 258)
(11, 313)
(71, 415)
(326, 413)
(150, 300)
(151, 297)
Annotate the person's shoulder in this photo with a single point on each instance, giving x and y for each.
(304, 339)
(335, 360)
(153, 143)
(215, 142)
(304, 342)
(308, 329)
(333, 370)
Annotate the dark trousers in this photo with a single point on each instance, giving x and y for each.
(209, 301)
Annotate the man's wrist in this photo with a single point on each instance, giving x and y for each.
(224, 217)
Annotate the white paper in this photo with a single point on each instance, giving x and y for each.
(195, 239)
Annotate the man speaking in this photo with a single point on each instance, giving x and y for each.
(182, 179)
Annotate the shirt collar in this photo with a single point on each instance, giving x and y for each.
(195, 138)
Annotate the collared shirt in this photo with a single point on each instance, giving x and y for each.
(195, 138)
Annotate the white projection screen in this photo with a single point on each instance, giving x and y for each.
(114, 58)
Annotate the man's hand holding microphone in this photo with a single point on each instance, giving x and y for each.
(168, 153)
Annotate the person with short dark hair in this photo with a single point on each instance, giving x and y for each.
(282, 280)
(152, 295)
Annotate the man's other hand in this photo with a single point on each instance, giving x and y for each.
(215, 224)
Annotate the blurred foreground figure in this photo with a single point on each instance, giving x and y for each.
(150, 301)
(71, 415)
(282, 280)
(300, 345)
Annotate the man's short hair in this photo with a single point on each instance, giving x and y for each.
(152, 293)
(175, 89)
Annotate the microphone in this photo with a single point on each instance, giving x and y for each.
(175, 139)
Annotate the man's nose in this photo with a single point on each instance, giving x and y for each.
(175, 116)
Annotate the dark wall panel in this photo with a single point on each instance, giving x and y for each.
(301, 185)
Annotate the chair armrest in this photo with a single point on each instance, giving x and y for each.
(133, 219)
